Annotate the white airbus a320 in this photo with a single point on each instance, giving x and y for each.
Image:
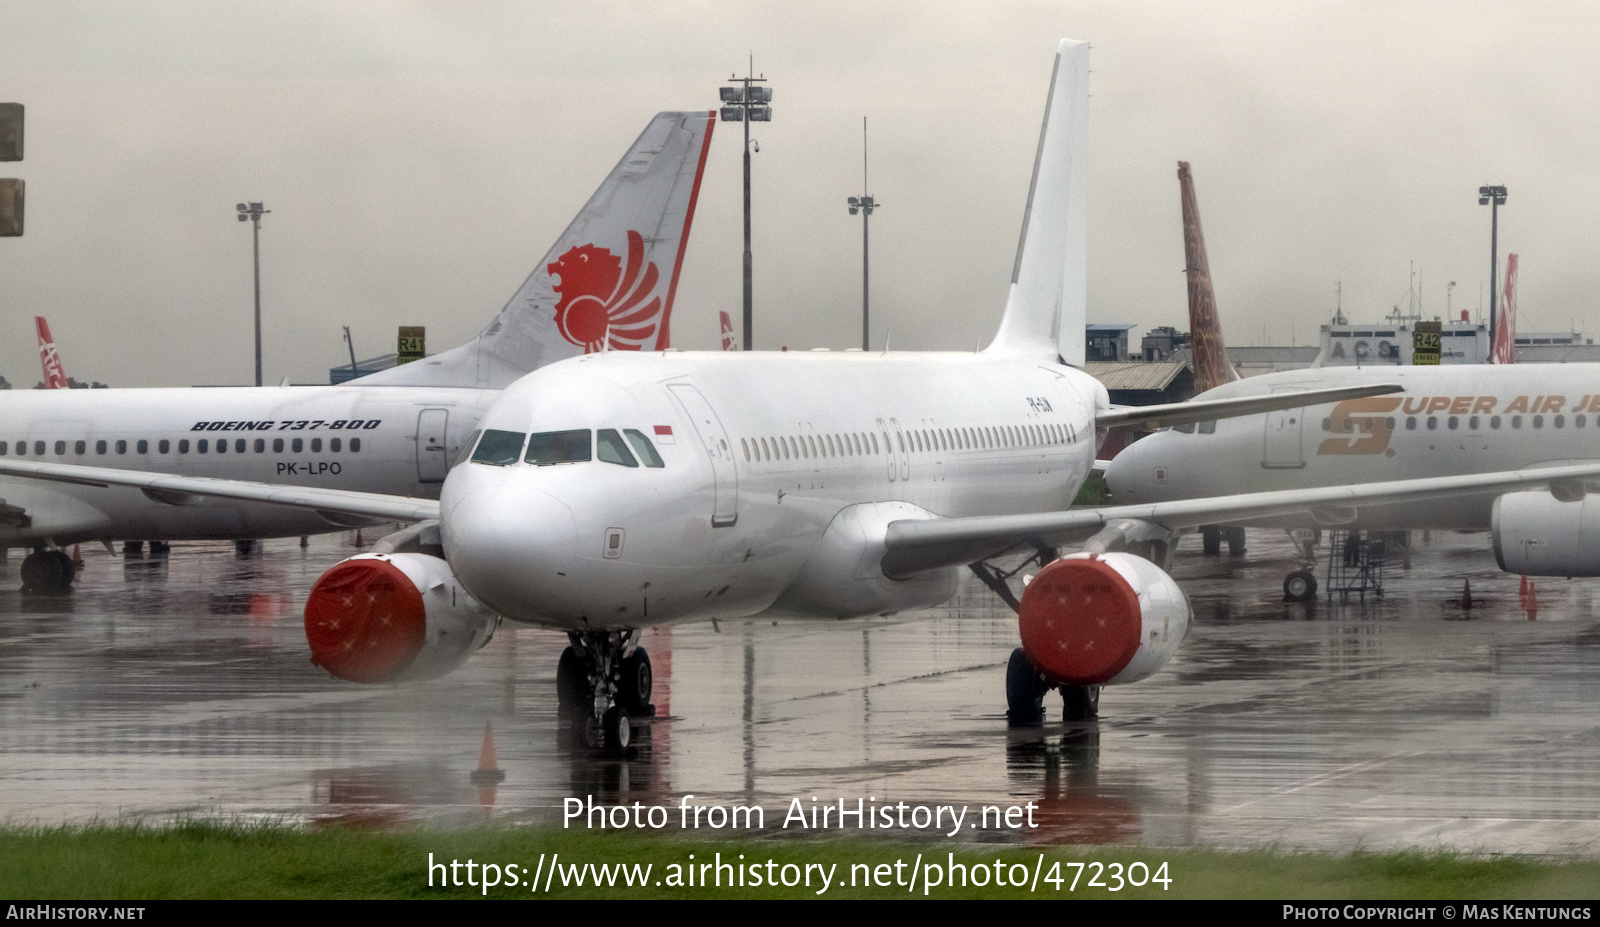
(614, 491)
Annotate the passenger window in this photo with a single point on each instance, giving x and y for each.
(558, 447)
(355, 445)
(183, 446)
(613, 451)
(261, 445)
(3, 448)
(297, 445)
(498, 448)
(238, 445)
(61, 447)
(122, 447)
(222, 445)
(316, 445)
(144, 446)
(643, 447)
(79, 447)
(277, 446)
(164, 446)
(334, 444)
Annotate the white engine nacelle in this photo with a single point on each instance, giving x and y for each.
(393, 618)
(843, 577)
(1101, 619)
(1536, 534)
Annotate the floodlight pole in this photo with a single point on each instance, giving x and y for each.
(253, 212)
(741, 105)
(1494, 197)
(864, 204)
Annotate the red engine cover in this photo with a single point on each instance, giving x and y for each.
(365, 621)
(1080, 621)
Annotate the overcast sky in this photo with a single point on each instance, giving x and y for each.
(418, 158)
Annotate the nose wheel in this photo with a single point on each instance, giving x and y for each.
(604, 679)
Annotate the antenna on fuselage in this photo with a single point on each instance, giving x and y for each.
(888, 329)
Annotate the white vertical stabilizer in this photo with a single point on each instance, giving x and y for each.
(1046, 310)
(606, 284)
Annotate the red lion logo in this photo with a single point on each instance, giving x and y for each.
(601, 302)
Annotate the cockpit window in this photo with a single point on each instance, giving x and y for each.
(612, 450)
(557, 447)
(647, 451)
(499, 448)
(466, 451)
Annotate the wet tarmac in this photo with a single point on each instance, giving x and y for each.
(180, 687)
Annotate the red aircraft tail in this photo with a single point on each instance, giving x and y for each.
(1211, 365)
(54, 376)
(1504, 350)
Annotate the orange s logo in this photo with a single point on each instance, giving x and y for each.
(1360, 426)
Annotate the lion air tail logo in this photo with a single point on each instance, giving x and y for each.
(54, 376)
(1504, 350)
(727, 333)
(604, 305)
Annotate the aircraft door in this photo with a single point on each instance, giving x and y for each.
(1281, 448)
(433, 461)
(904, 447)
(715, 441)
(888, 450)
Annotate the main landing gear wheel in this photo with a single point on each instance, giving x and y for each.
(1300, 586)
(636, 682)
(572, 681)
(1025, 690)
(47, 572)
(1080, 703)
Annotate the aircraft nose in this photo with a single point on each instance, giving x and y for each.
(511, 547)
(1119, 474)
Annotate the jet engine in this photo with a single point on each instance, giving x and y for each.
(1101, 619)
(1537, 534)
(393, 618)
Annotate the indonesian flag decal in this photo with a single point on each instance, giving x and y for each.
(664, 434)
(1504, 350)
(604, 305)
(54, 376)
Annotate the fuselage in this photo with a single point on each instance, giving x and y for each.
(395, 440)
(1450, 420)
(768, 461)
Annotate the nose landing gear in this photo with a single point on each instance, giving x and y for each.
(602, 680)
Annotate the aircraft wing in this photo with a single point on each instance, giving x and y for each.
(918, 546)
(184, 490)
(1202, 410)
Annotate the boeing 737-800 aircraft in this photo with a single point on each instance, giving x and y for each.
(615, 491)
(606, 283)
